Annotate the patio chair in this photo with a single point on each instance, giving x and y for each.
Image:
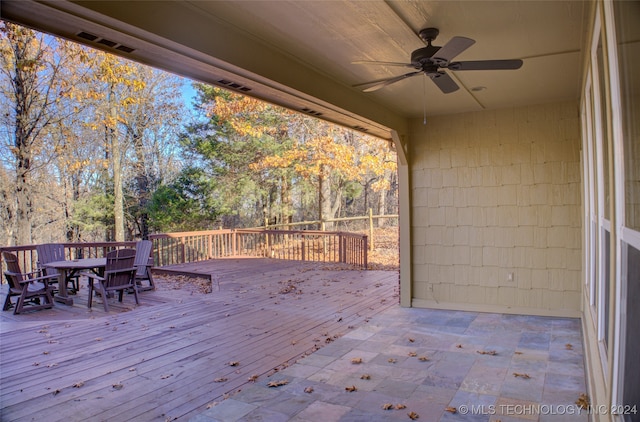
(119, 276)
(51, 252)
(143, 263)
(33, 292)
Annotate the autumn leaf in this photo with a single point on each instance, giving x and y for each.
(365, 377)
(117, 386)
(356, 361)
(234, 363)
(387, 406)
(519, 375)
(308, 390)
(423, 358)
(78, 384)
(451, 409)
(568, 346)
(392, 360)
(412, 354)
(55, 392)
(221, 379)
(351, 389)
(165, 376)
(278, 383)
(488, 352)
(583, 401)
(400, 406)
(411, 340)
(413, 416)
(459, 346)
(253, 378)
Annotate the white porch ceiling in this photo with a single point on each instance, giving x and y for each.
(300, 54)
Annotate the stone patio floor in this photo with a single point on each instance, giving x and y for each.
(442, 365)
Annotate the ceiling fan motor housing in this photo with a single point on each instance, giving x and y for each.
(423, 55)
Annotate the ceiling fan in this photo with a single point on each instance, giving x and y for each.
(432, 61)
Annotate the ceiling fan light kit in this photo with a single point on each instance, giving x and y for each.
(433, 61)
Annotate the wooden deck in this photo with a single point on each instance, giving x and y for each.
(170, 357)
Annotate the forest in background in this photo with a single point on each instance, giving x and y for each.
(98, 148)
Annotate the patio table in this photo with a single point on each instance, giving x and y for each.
(69, 268)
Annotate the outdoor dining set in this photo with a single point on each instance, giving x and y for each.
(55, 277)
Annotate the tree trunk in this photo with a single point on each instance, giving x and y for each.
(382, 205)
(142, 184)
(116, 155)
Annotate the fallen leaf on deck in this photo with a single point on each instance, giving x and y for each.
(51, 365)
(387, 406)
(518, 353)
(459, 346)
(411, 340)
(234, 363)
(519, 375)
(583, 401)
(351, 389)
(132, 369)
(413, 416)
(78, 384)
(308, 390)
(423, 358)
(36, 364)
(165, 376)
(451, 409)
(45, 352)
(117, 386)
(488, 352)
(568, 346)
(413, 354)
(253, 378)
(400, 406)
(221, 379)
(365, 377)
(356, 360)
(55, 392)
(392, 360)
(278, 383)
(212, 404)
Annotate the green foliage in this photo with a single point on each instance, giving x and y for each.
(185, 204)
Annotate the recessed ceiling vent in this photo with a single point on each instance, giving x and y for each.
(234, 85)
(312, 112)
(103, 41)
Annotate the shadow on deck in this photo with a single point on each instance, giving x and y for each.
(179, 351)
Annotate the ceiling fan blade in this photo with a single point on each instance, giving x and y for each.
(444, 82)
(487, 65)
(451, 49)
(383, 63)
(384, 82)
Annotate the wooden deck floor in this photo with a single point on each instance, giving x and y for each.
(170, 357)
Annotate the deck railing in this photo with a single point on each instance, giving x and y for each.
(185, 247)
(301, 245)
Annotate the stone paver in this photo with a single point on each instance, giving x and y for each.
(488, 367)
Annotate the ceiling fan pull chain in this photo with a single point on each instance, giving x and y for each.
(424, 100)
